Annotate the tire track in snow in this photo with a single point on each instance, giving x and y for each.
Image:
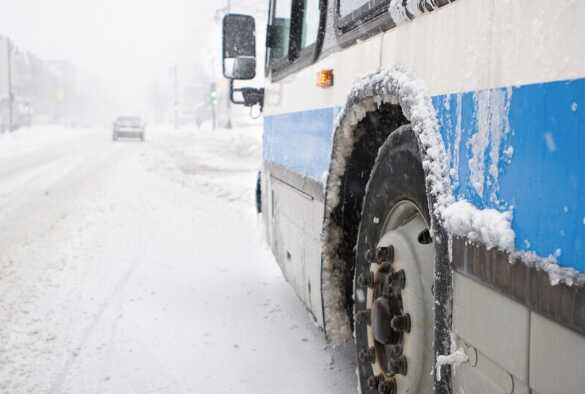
(114, 296)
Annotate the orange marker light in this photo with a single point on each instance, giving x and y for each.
(325, 79)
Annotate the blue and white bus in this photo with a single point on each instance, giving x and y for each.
(423, 184)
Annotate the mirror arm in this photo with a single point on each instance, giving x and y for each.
(252, 96)
(232, 91)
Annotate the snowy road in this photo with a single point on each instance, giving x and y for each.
(137, 268)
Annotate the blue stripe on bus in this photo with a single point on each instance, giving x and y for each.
(542, 181)
(300, 141)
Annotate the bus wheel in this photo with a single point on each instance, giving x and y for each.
(393, 301)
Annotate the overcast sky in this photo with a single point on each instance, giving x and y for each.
(106, 35)
(124, 42)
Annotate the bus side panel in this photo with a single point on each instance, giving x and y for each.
(300, 142)
(296, 150)
(298, 130)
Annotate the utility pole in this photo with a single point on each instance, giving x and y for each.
(176, 96)
(213, 102)
(10, 92)
(219, 13)
(228, 124)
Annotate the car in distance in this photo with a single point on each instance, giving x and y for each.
(128, 127)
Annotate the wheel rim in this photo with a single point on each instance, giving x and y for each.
(395, 287)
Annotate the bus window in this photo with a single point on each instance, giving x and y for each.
(311, 16)
(346, 7)
(281, 29)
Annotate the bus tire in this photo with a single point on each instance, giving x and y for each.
(393, 280)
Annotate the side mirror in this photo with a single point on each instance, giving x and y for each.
(239, 47)
(241, 67)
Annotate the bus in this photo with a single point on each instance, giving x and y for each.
(422, 184)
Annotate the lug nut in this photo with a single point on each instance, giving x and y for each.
(401, 323)
(387, 387)
(364, 316)
(385, 254)
(366, 280)
(396, 350)
(374, 382)
(367, 355)
(397, 280)
(387, 290)
(399, 366)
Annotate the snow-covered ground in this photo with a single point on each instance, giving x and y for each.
(135, 267)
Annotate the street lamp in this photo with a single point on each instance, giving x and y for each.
(218, 17)
(10, 92)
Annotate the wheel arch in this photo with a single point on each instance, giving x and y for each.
(389, 99)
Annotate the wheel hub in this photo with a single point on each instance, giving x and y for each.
(396, 306)
(387, 307)
(382, 313)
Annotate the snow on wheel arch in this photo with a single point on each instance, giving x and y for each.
(487, 226)
(394, 87)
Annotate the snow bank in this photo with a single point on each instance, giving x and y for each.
(32, 139)
(209, 158)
